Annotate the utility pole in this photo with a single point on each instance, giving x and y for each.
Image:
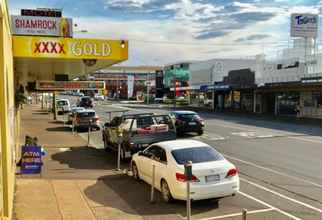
(175, 88)
(54, 105)
(147, 89)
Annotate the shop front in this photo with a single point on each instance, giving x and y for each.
(297, 99)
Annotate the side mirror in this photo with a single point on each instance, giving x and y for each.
(141, 153)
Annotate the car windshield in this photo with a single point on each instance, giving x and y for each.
(86, 114)
(196, 155)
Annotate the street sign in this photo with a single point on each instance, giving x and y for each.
(31, 162)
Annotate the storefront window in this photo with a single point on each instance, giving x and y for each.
(317, 97)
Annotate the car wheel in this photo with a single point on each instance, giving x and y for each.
(165, 190)
(200, 132)
(135, 172)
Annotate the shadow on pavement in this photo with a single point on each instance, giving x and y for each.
(87, 158)
(60, 129)
(137, 196)
(40, 113)
(56, 122)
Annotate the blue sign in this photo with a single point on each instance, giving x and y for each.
(203, 88)
(31, 161)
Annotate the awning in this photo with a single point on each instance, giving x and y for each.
(40, 58)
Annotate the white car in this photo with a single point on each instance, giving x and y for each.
(63, 106)
(98, 97)
(214, 177)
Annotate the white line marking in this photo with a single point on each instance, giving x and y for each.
(282, 196)
(238, 214)
(270, 206)
(273, 171)
(309, 140)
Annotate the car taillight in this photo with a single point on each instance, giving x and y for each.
(232, 172)
(182, 178)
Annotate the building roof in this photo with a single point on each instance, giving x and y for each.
(130, 69)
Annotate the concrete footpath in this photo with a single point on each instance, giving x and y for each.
(77, 182)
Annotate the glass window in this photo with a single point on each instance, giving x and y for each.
(156, 153)
(196, 155)
(86, 114)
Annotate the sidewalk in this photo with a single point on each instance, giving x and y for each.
(73, 184)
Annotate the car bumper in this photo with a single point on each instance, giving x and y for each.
(86, 125)
(209, 191)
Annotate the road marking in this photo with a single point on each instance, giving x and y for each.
(273, 171)
(239, 214)
(309, 140)
(282, 196)
(270, 206)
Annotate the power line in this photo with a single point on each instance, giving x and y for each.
(206, 44)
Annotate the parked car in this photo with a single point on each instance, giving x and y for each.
(62, 106)
(73, 112)
(188, 121)
(138, 131)
(98, 97)
(85, 102)
(86, 118)
(214, 177)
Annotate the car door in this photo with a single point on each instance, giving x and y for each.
(146, 162)
(161, 166)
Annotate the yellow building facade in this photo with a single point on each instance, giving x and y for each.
(9, 117)
(26, 59)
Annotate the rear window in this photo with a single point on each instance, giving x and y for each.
(196, 155)
(86, 114)
(62, 103)
(188, 116)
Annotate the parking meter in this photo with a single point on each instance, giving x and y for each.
(119, 142)
(188, 174)
(188, 171)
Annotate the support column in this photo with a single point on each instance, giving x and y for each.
(54, 105)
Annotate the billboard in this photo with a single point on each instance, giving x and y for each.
(69, 85)
(42, 26)
(68, 48)
(304, 25)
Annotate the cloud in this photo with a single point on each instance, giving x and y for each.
(210, 34)
(248, 17)
(253, 37)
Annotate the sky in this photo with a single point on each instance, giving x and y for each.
(168, 31)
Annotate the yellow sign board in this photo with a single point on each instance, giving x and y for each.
(69, 85)
(69, 48)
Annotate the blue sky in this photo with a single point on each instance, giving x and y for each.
(165, 31)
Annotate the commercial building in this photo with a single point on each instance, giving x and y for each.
(127, 82)
(222, 83)
(27, 61)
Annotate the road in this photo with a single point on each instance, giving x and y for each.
(279, 164)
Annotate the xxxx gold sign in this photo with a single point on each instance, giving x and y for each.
(69, 48)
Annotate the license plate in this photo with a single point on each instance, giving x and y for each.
(213, 178)
(192, 123)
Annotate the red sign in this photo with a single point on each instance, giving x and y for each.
(49, 47)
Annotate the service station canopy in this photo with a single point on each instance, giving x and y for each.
(40, 58)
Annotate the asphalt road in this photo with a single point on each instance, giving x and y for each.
(280, 164)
